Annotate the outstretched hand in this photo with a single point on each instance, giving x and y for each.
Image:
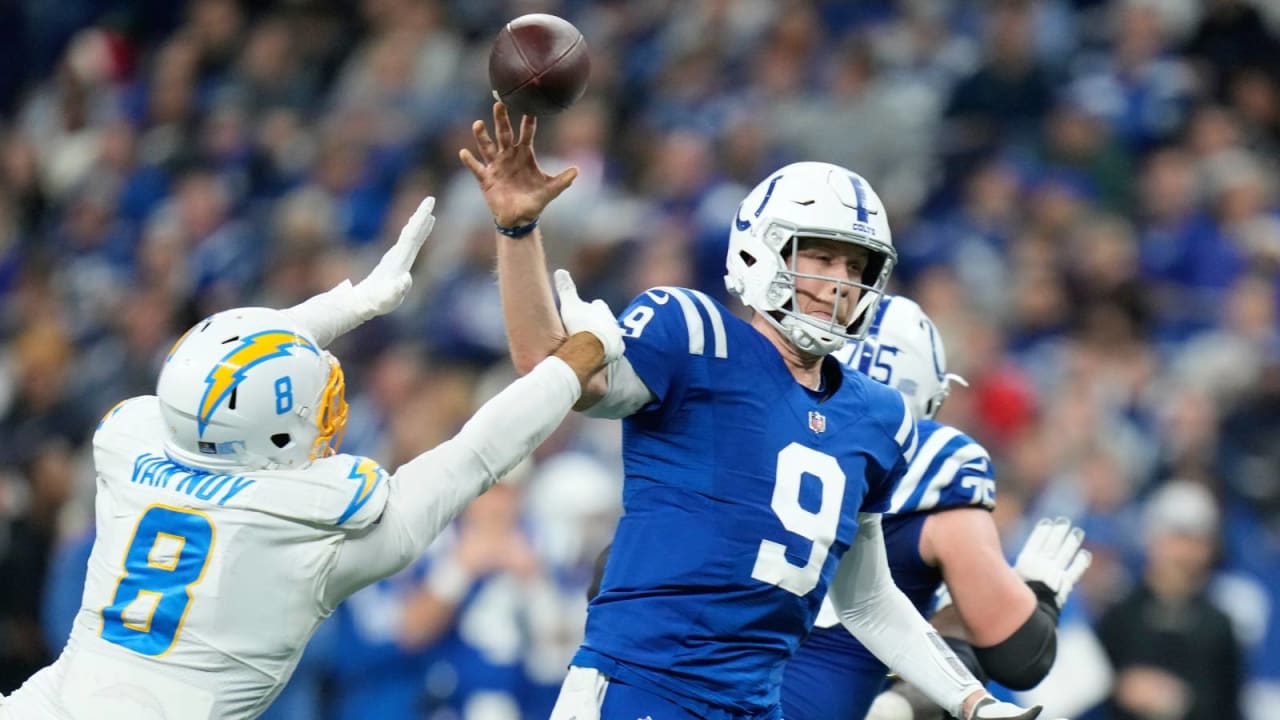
(514, 186)
(1053, 555)
(389, 281)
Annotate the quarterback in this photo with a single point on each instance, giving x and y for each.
(228, 526)
(757, 467)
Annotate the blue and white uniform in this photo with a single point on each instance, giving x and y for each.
(742, 492)
(833, 676)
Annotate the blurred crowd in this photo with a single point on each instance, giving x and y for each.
(1083, 193)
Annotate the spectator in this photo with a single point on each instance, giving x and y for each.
(1174, 653)
(1084, 198)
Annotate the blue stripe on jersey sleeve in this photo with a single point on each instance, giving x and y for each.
(950, 470)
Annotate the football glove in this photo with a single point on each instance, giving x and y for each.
(1052, 555)
(594, 317)
(889, 705)
(389, 281)
(989, 708)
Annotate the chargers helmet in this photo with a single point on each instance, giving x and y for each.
(808, 200)
(248, 388)
(904, 351)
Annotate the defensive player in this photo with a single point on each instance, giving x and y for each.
(228, 528)
(939, 527)
(753, 462)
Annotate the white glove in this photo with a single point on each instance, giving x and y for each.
(990, 709)
(594, 317)
(889, 705)
(389, 281)
(1052, 555)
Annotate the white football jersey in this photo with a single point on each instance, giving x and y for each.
(203, 588)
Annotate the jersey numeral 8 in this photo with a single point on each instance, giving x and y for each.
(168, 555)
(819, 528)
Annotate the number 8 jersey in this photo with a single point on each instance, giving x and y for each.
(742, 492)
(202, 588)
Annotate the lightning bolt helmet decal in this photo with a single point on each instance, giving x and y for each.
(230, 370)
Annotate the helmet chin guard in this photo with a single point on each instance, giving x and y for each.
(808, 200)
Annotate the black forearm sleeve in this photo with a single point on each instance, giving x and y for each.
(1022, 660)
(965, 652)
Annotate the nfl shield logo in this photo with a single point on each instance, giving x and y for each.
(817, 421)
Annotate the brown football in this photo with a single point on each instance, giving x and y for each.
(538, 64)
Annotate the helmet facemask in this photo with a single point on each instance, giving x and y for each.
(802, 201)
(331, 412)
(810, 334)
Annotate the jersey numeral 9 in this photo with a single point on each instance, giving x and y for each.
(167, 556)
(772, 565)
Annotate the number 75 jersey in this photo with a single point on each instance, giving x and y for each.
(742, 492)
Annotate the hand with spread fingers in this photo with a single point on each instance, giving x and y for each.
(1053, 556)
(514, 186)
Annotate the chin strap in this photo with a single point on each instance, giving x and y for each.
(800, 334)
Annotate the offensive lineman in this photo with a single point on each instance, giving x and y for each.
(938, 528)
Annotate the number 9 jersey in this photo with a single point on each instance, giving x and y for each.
(202, 588)
(742, 492)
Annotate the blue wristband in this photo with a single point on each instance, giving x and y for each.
(518, 231)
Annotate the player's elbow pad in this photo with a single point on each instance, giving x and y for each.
(1022, 660)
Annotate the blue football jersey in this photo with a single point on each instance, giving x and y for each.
(742, 492)
(950, 470)
(833, 676)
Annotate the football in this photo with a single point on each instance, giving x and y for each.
(538, 64)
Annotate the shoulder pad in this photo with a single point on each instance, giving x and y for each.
(131, 426)
(351, 490)
(680, 313)
(950, 470)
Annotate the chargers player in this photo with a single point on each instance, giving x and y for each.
(939, 527)
(228, 528)
(753, 462)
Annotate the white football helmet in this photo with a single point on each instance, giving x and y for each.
(807, 200)
(247, 388)
(904, 351)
